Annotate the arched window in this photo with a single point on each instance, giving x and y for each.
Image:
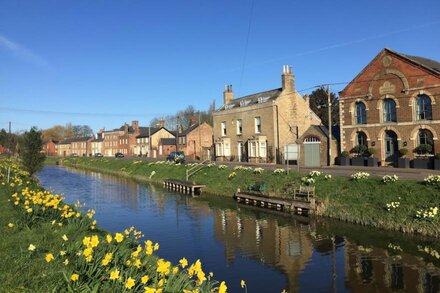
(424, 108)
(425, 137)
(389, 111)
(361, 113)
(361, 138)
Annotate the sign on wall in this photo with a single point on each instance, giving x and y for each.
(291, 152)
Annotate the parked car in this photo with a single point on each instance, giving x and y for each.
(98, 155)
(178, 157)
(119, 155)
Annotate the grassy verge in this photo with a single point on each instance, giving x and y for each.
(403, 205)
(49, 246)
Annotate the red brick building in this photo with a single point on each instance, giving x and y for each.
(50, 147)
(393, 103)
(196, 141)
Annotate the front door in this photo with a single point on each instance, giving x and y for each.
(391, 146)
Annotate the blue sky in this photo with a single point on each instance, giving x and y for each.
(103, 63)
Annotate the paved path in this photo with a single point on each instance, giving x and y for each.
(416, 174)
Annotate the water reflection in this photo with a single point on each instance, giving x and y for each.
(269, 251)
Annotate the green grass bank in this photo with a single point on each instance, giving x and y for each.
(408, 206)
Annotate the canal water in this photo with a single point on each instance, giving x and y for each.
(270, 251)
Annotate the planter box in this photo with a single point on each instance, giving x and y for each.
(420, 163)
(403, 163)
(358, 161)
(373, 162)
(436, 164)
(344, 161)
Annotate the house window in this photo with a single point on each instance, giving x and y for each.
(263, 149)
(424, 108)
(223, 125)
(361, 113)
(253, 149)
(257, 124)
(227, 150)
(239, 127)
(425, 137)
(361, 138)
(389, 110)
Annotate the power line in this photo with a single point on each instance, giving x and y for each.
(246, 45)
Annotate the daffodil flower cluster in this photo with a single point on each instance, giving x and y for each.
(279, 171)
(392, 205)
(432, 180)
(258, 170)
(232, 175)
(314, 173)
(360, 176)
(112, 262)
(427, 214)
(390, 178)
(429, 250)
(222, 167)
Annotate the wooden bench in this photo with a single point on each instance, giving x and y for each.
(303, 192)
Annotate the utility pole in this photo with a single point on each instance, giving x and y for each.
(329, 102)
(9, 151)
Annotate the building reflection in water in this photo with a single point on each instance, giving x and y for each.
(288, 248)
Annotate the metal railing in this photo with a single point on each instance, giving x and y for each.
(194, 169)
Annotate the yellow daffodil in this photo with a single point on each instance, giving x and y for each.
(109, 238)
(161, 282)
(10, 225)
(163, 267)
(107, 259)
(130, 283)
(74, 277)
(156, 246)
(223, 288)
(242, 284)
(62, 252)
(94, 241)
(145, 279)
(119, 237)
(86, 241)
(31, 247)
(175, 270)
(49, 257)
(149, 290)
(65, 237)
(183, 262)
(114, 275)
(66, 262)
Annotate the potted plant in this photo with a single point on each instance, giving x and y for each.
(372, 161)
(359, 151)
(437, 161)
(403, 161)
(422, 152)
(344, 159)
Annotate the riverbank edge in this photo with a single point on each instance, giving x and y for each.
(407, 227)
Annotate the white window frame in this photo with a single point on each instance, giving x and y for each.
(239, 126)
(257, 121)
(223, 128)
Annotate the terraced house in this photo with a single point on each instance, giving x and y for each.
(393, 103)
(81, 146)
(256, 127)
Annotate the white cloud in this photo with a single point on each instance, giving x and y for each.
(21, 52)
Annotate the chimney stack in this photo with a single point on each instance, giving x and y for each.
(287, 79)
(135, 125)
(228, 94)
(161, 123)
